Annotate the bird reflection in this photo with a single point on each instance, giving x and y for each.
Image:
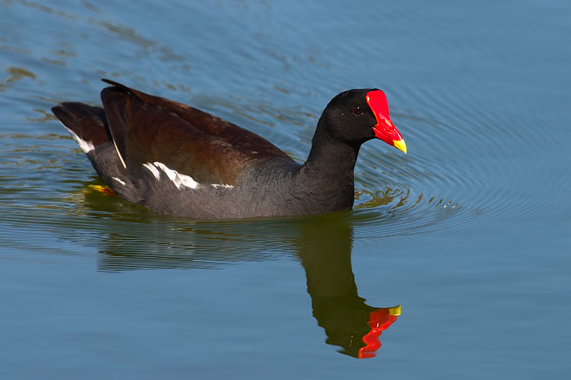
(325, 253)
(322, 243)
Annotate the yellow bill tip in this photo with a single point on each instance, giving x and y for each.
(395, 310)
(400, 145)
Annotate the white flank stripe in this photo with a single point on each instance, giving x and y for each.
(217, 185)
(153, 170)
(120, 181)
(178, 179)
(85, 146)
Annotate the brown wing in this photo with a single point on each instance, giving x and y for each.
(148, 128)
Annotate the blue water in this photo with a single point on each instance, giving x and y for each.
(469, 232)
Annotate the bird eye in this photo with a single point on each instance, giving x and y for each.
(357, 111)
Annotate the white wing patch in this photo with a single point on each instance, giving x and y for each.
(179, 180)
(85, 146)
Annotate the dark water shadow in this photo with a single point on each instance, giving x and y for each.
(323, 244)
(325, 250)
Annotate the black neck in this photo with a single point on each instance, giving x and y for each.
(331, 157)
(327, 175)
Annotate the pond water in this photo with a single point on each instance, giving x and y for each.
(455, 261)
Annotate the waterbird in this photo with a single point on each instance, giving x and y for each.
(178, 160)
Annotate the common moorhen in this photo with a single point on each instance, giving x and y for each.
(178, 160)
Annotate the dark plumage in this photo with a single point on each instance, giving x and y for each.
(178, 160)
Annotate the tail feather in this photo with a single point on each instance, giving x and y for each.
(89, 128)
(87, 124)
